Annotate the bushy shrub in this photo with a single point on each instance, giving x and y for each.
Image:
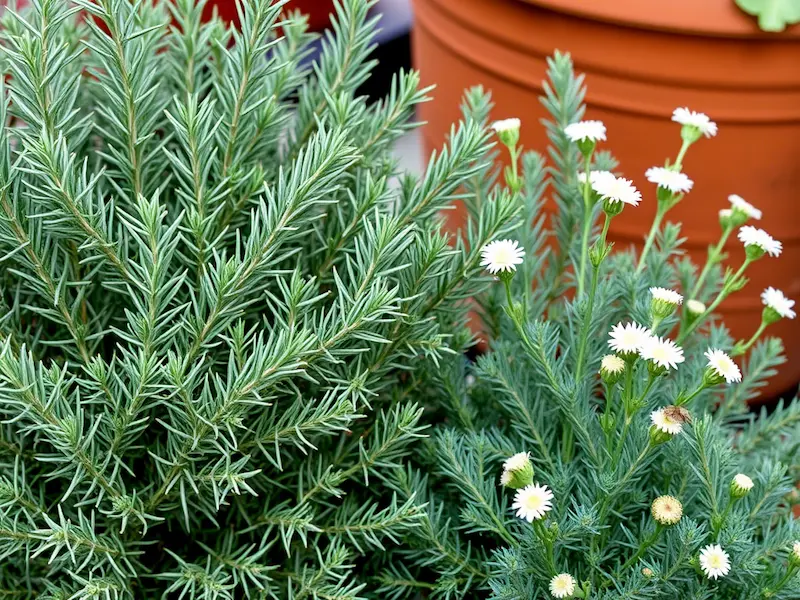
(214, 284)
(633, 461)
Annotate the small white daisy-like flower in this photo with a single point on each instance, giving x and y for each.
(665, 423)
(725, 213)
(628, 338)
(533, 502)
(743, 482)
(562, 586)
(752, 236)
(592, 131)
(506, 125)
(723, 365)
(796, 550)
(616, 189)
(505, 478)
(743, 205)
(666, 510)
(666, 295)
(663, 352)
(775, 300)
(695, 307)
(706, 126)
(714, 561)
(593, 175)
(674, 181)
(519, 461)
(502, 255)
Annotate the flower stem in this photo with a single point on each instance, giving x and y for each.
(660, 212)
(741, 348)
(539, 529)
(681, 401)
(643, 548)
(682, 154)
(587, 321)
(723, 293)
(587, 224)
(714, 256)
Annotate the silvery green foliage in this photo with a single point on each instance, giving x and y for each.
(528, 394)
(214, 284)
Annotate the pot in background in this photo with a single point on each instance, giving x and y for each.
(642, 60)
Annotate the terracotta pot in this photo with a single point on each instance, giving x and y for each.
(317, 11)
(642, 60)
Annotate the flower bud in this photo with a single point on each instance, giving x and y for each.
(712, 377)
(612, 207)
(508, 132)
(517, 471)
(648, 572)
(770, 316)
(611, 368)
(694, 308)
(690, 133)
(741, 485)
(794, 555)
(754, 251)
(658, 437)
(666, 510)
(663, 302)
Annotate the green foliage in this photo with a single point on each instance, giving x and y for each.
(538, 390)
(773, 15)
(214, 293)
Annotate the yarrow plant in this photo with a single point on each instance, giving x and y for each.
(611, 381)
(215, 282)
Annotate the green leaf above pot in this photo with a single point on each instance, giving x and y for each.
(773, 15)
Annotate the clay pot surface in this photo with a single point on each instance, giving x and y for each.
(642, 60)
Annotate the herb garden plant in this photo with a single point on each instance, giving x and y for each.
(214, 281)
(602, 448)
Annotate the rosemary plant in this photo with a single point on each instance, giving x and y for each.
(214, 284)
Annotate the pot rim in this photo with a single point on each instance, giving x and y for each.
(715, 18)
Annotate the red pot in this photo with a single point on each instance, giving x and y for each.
(642, 60)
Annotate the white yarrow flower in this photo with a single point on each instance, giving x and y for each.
(714, 561)
(723, 366)
(666, 295)
(506, 125)
(628, 338)
(663, 352)
(743, 205)
(706, 126)
(752, 236)
(662, 421)
(562, 586)
(674, 181)
(592, 131)
(533, 502)
(774, 299)
(502, 255)
(616, 189)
